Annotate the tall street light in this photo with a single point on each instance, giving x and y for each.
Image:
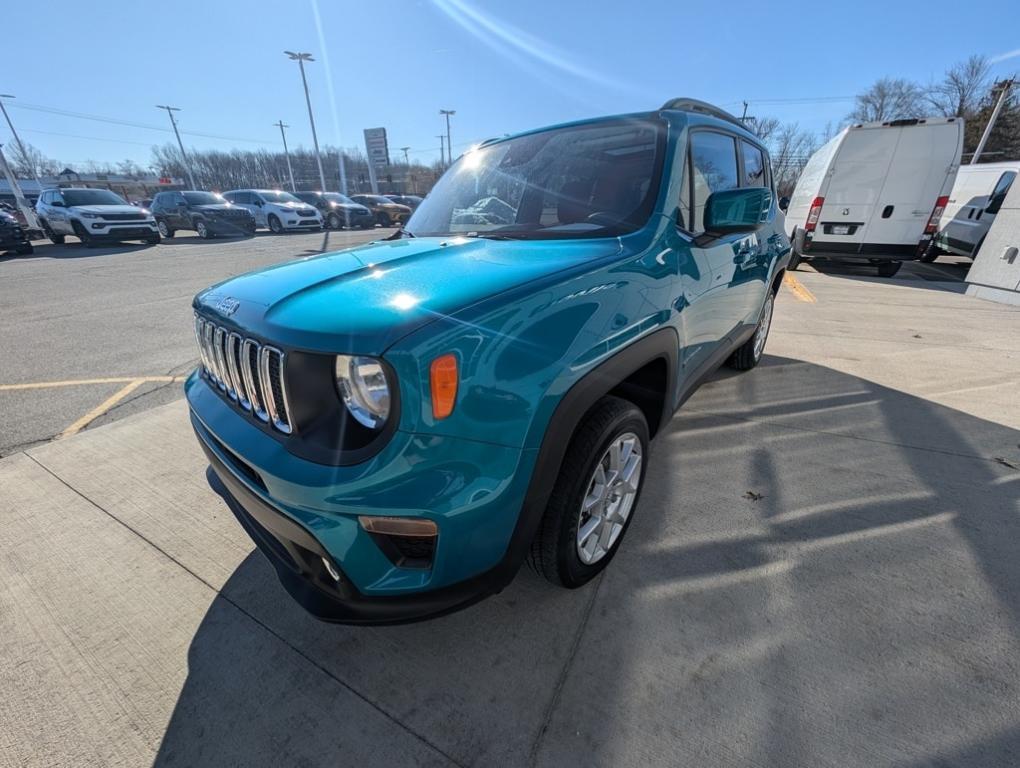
(449, 146)
(187, 166)
(442, 157)
(405, 150)
(301, 58)
(286, 153)
(17, 138)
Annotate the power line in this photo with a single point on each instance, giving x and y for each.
(130, 123)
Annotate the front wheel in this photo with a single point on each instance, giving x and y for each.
(82, 234)
(203, 230)
(164, 229)
(593, 500)
(275, 225)
(794, 260)
(930, 254)
(748, 354)
(53, 236)
(889, 268)
(333, 221)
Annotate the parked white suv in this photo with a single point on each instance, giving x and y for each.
(93, 216)
(276, 210)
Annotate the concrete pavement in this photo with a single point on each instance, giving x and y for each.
(822, 571)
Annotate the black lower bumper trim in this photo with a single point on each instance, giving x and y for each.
(296, 555)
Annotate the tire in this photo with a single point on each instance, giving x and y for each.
(154, 240)
(164, 229)
(382, 219)
(794, 261)
(275, 225)
(80, 232)
(555, 551)
(333, 222)
(749, 354)
(203, 230)
(889, 268)
(53, 236)
(930, 254)
(25, 250)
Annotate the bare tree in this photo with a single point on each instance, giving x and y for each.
(24, 163)
(961, 91)
(790, 148)
(890, 98)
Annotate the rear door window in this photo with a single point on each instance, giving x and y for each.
(713, 169)
(754, 166)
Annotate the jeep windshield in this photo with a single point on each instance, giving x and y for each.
(593, 180)
(91, 197)
(203, 198)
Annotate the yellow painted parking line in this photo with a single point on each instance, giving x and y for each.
(83, 382)
(102, 408)
(797, 288)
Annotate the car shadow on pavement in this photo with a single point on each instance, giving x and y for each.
(821, 571)
(75, 250)
(943, 276)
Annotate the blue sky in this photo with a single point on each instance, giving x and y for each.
(504, 66)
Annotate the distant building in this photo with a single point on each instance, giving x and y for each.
(129, 187)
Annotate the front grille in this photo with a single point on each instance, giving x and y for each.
(305, 212)
(124, 216)
(248, 372)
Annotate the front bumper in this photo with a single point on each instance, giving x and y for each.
(231, 227)
(134, 230)
(299, 512)
(11, 239)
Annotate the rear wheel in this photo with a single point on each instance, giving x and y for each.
(593, 500)
(748, 354)
(889, 268)
(383, 219)
(53, 236)
(275, 225)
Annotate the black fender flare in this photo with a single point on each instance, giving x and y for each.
(662, 344)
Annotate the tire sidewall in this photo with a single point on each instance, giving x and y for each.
(278, 229)
(572, 571)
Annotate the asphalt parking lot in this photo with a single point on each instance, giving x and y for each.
(822, 570)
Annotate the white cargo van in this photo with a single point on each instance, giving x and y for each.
(874, 192)
(976, 197)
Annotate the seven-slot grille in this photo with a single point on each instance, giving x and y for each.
(249, 373)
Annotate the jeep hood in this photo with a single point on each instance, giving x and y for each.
(363, 299)
(104, 209)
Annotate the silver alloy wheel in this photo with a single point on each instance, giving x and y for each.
(202, 230)
(275, 225)
(609, 499)
(762, 334)
(163, 229)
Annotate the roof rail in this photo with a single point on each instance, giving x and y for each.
(694, 105)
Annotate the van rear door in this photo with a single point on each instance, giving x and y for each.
(923, 168)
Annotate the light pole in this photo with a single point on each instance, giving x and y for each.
(405, 150)
(286, 153)
(301, 58)
(187, 166)
(17, 138)
(442, 157)
(449, 146)
(1006, 85)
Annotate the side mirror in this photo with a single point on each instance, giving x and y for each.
(258, 203)
(737, 210)
(784, 203)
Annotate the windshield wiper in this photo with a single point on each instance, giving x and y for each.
(494, 236)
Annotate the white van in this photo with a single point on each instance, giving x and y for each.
(874, 192)
(277, 210)
(976, 197)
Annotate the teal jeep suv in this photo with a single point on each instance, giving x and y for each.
(400, 425)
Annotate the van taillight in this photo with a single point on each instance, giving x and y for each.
(936, 214)
(813, 214)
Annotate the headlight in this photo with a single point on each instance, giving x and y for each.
(91, 216)
(362, 384)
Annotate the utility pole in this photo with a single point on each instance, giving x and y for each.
(442, 157)
(301, 58)
(17, 139)
(19, 198)
(449, 145)
(286, 153)
(405, 151)
(1006, 85)
(187, 166)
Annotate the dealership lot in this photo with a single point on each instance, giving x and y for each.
(823, 569)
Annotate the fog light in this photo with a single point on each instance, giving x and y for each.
(98, 226)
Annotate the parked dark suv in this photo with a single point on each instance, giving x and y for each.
(338, 210)
(206, 213)
(12, 235)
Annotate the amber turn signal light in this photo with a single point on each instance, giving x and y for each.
(443, 380)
